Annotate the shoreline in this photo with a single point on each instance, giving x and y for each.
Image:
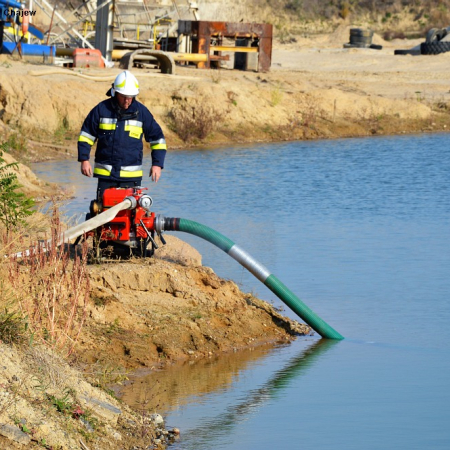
(314, 90)
(413, 129)
(151, 313)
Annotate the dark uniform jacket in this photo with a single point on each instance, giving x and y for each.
(118, 134)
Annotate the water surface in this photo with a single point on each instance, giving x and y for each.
(359, 230)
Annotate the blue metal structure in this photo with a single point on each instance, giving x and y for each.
(10, 13)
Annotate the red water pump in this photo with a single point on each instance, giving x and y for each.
(131, 230)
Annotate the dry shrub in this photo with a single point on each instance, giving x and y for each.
(194, 121)
(344, 11)
(52, 290)
(310, 111)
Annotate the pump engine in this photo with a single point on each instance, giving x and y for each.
(131, 230)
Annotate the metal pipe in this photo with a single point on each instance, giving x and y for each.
(30, 49)
(118, 54)
(253, 266)
(227, 48)
(62, 51)
(192, 57)
(51, 24)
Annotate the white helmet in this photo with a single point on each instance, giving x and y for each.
(126, 84)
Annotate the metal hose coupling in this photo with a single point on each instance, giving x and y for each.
(145, 201)
(166, 224)
(133, 202)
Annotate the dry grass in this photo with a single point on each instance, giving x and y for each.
(50, 289)
(194, 122)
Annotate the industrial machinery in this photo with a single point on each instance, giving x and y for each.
(132, 230)
(16, 29)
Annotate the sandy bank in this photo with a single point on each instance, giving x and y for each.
(315, 89)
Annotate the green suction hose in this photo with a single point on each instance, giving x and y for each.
(253, 266)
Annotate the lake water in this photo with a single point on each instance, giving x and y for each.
(359, 229)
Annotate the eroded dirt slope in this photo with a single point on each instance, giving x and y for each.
(160, 310)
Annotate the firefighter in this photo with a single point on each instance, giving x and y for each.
(118, 125)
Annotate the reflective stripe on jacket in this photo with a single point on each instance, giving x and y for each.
(119, 149)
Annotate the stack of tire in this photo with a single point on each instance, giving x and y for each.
(437, 41)
(360, 38)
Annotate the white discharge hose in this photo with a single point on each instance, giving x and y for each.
(91, 224)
